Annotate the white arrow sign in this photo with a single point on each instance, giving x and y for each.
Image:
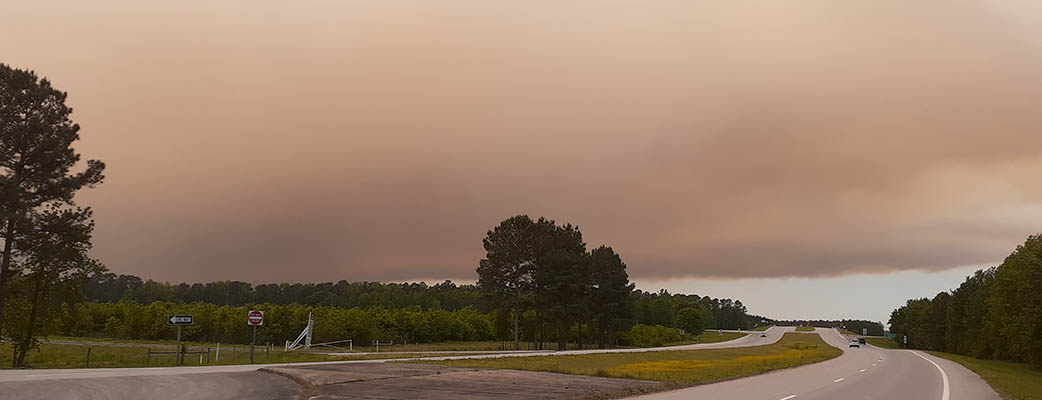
(179, 320)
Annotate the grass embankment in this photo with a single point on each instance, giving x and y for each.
(707, 337)
(804, 329)
(679, 366)
(1012, 380)
(75, 356)
(885, 343)
(846, 332)
(761, 328)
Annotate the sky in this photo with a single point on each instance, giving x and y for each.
(782, 153)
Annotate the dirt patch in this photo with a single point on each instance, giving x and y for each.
(420, 381)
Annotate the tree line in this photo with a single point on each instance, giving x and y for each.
(46, 236)
(854, 325)
(109, 287)
(540, 268)
(996, 313)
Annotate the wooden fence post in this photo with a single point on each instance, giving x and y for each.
(88, 357)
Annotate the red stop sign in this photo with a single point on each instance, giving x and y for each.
(255, 318)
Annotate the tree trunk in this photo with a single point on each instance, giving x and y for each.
(580, 339)
(562, 339)
(517, 338)
(5, 266)
(23, 346)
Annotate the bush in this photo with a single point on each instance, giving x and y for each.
(652, 336)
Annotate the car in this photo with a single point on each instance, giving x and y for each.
(861, 340)
(763, 335)
(855, 343)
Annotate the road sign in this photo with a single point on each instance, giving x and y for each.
(179, 320)
(864, 331)
(255, 318)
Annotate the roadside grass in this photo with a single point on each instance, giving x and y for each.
(75, 356)
(708, 337)
(761, 328)
(1012, 380)
(846, 332)
(678, 366)
(885, 343)
(804, 329)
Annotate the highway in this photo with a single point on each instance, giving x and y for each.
(864, 373)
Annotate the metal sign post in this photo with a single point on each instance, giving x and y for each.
(179, 321)
(254, 318)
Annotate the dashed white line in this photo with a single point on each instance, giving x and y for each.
(788, 397)
(838, 380)
(874, 365)
(862, 370)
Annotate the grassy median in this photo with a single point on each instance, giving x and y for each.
(885, 343)
(804, 329)
(680, 366)
(1012, 380)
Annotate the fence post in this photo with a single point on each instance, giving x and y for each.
(88, 357)
(148, 355)
(267, 351)
(217, 357)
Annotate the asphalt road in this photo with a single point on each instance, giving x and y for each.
(862, 373)
(221, 385)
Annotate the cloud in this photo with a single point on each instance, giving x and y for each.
(336, 141)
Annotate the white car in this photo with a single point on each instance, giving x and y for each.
(855, 343)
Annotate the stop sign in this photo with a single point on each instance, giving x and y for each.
(255, 318)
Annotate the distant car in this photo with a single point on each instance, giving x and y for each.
(861, 340)
(855, 343)
(763, 335)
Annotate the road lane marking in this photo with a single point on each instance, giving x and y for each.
(945, 394)
(861, 371)
(838, 380)
(788, 397)
(874, 365)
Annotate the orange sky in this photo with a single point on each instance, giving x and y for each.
(379, 140)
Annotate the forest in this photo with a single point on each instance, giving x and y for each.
(125, 306)
(994, 314)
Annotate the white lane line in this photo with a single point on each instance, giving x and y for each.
(874, 364)
(861, 371)
(838, 380)
(788, 397)
(945, 394)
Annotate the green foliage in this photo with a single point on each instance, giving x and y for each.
(993, 314)
(37, 187)
(652, 336)
(689, 320)
(446, 295)
(227, 324)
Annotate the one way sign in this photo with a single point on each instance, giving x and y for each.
(179, 320)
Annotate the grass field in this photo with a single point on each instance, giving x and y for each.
(846, 332)
(1012, 380)
(804, 329)
(761, 328)
(884, 343)
(75, 356)
(682, 366)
